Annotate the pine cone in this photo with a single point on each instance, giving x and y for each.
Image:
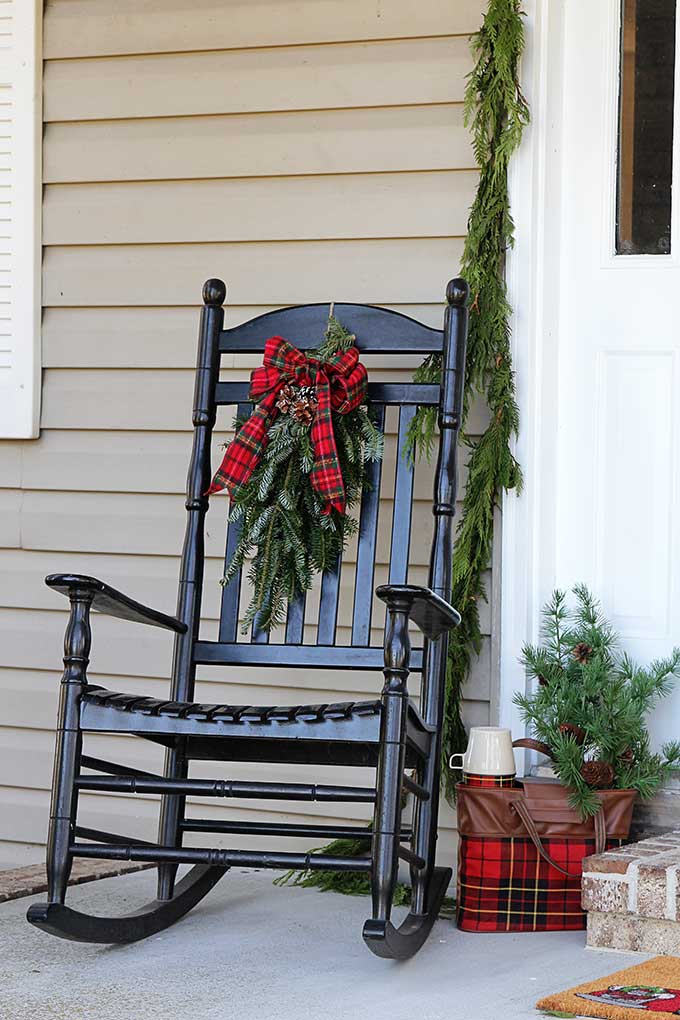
(598, 774)
(542, 682)
(286, 398)
(582, 653)
(570, 730)
(303, 410)
(627, 755)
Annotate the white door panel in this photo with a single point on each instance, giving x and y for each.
(612, 336)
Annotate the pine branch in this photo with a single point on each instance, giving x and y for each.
(585, 684)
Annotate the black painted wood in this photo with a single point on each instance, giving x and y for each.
(402, 511)
(420, 394)
(328, 605)
(295, 623)
(366, 546)
(110, 602)
(313, 656)
(221, 858)
(320, 832)
(387, 733)
(228, 788)
(231, 592)
(377, 330)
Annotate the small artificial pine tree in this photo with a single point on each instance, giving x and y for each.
(590, 703)
(283, 523)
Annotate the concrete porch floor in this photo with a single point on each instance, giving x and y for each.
(251, 951)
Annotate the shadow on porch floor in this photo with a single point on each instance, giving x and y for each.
(255, 952)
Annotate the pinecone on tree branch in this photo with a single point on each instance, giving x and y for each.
(599, 775)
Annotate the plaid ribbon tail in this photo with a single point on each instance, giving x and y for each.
(325, 476)
(245, 450)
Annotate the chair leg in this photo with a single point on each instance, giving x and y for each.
(68, 746)
(425, 820)
(388, 804)
(430, 883)
(426, 812)
(388, 810)
(171, 817)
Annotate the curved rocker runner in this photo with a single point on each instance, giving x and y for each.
(390, 733)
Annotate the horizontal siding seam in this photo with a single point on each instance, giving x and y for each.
(254, 112)
(259, 113)
(259, 240)
(267, 47)
(132, 181)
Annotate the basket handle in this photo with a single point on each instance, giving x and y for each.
(520, 807)
(533, 745)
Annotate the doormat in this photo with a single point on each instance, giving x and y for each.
(32, 880)
(652, 988)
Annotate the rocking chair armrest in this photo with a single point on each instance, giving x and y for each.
(432, 614)
(111, 602)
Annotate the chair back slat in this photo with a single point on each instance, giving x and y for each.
(231, 593)
(328, 605)
(378, 330)
(425, 394)
(366, 548)
(257, 635)
(295, 622)
(243, 653)
(403, 502)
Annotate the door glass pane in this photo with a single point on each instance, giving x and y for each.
(645, 158)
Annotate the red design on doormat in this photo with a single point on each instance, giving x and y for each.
(647, 998)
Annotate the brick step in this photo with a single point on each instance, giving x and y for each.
(632, 896)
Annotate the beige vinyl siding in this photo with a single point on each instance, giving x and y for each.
(302, 152)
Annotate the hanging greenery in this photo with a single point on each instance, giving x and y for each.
(296, 467)
(497, 113)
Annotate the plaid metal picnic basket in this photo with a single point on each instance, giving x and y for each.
(521, 851)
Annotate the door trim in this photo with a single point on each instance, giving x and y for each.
(528, 533)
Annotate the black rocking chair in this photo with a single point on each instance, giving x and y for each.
(389, 733)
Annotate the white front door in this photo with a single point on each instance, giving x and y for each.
(599, 234)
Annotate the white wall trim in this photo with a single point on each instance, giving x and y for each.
(533, 285)
(20, 255)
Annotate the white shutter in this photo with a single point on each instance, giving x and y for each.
(20, 202)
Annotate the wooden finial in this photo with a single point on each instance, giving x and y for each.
(457, 292)
(214, 292)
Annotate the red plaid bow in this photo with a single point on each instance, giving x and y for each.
(340, 385)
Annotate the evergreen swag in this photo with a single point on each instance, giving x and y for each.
(497, 113)
(283, 523)
(589, 705)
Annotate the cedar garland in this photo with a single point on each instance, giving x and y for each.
(497, 113)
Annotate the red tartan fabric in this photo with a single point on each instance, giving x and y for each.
(340, 387)
(472, 779)
(504, 884)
